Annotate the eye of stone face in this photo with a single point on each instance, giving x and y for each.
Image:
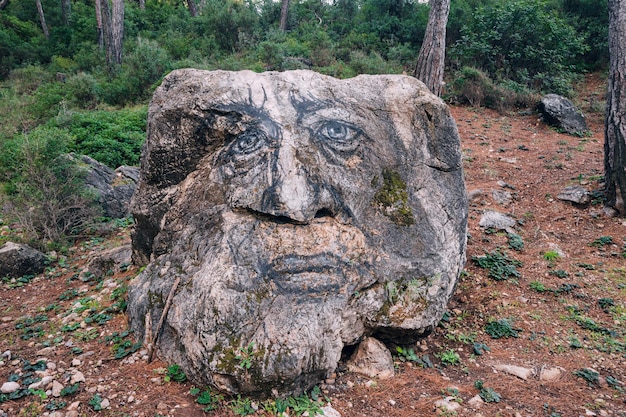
(249, 142)
(339, 136)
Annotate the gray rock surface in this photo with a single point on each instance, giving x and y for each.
(114, 188)
(561, 113)
(110, 260)
(300, 213)
(17, 260)
(576, 194)
(492, 219)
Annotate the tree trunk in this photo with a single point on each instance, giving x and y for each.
(3, 4)
(42, 19)
(193, 10)
(113, 30)
(99, 24)
(142, 4)
(284, 13)
(615, 128)
(430, 62)
(117, 23)
(66, 8)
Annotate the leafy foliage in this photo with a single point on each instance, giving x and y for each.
(500, 266)
(501, 328)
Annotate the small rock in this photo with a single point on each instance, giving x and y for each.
(77, 377)
(576, 194)
(551, 373)
(42, 383)
(475, 402)
(448, 404)
(372, 358)
(45, 351)
(6, 319)
(328, 411)
(130, 399)
(75, 362)
(518, 371)
(495, 220)
(73, 406)
(162, 406)
(56, 388)
(73, 413)
(503, 198)
(9, 387)
(51, 366)
(590, 413)
(105, 403)
(392, 402)
(6, 355)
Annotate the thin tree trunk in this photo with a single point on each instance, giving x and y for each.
(615, 128)
(117, 23)
(99, 24)
(193, 10)
(42, 19)
(284, 13)
(430, 62)
(3, 4)
(113, 30)
(142, 4)
(66, 8)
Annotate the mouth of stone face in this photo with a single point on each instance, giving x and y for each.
(322, 272)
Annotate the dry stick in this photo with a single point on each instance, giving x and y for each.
(168, 302)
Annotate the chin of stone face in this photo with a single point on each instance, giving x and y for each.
(300, 213)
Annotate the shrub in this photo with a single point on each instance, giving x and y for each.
(45, 194)
(521, 40)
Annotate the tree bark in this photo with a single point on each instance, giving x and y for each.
(3, 4)
(66, 8)
(113, 31)
(98, 4)
(430, 62)
(193, 10)
(142, 4)
(615, 127)
(284, 13)
(42, 19)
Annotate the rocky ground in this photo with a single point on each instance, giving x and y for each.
(537, 326)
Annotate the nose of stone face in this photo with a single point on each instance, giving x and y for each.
(294, 194)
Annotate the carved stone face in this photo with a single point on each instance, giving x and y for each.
(302, 213)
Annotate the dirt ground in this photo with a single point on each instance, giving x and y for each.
(567, 306)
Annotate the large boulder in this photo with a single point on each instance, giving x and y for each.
(114, 188)
(17, 260)
(298, 213)
(561, 113)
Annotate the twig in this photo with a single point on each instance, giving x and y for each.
(170, 296)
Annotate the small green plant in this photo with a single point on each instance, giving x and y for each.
(551, 256)
(70, 389)
(559, 273)
(515, 242)
(121, 345)
(244, 356)
(175, 373)
(537, 286)
(489, 395)
(480, 349)
(96, 402)
(449, 357)
(500, 266)
(602, 241)
(207, 398)
(606, 304)
(406, 354)
(501, 328)
(589, 375)
(242, 406)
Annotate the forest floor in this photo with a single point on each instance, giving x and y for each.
(561, 322)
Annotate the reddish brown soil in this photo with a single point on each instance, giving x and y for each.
(537, 162)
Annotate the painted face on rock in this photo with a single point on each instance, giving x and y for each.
(301, 212)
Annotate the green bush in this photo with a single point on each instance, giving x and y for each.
(474, 87)
(111, 137)
(44, 191)
(522, 40)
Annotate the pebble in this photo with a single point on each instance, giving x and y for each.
(9, 387)
(392, 403)
(75, 362)
(56, 388)
(44, 381)
(73, 406)
(475, 402)
(77, 377)
(105, 403)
